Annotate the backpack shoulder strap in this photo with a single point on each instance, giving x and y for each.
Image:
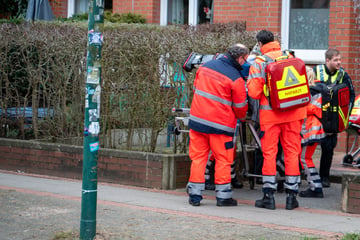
(267, 59)
(320, 70)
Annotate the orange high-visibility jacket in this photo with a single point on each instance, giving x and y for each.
(219, 97)
(312, 130)
(256, 82)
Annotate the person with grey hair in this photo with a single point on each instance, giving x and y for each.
(219, 100)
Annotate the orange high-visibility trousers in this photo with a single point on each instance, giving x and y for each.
(307, 158)
(290, 138)
(222, 148)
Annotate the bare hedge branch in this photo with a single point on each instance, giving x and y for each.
(43, 70)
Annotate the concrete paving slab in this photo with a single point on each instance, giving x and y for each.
(315, 217)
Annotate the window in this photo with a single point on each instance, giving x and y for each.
(77, 7)
(178, 12)
(190, 12)
(305, 28)
(82, 6)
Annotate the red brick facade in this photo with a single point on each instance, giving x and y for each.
(59, 7)
(258, 14)
(148, 8)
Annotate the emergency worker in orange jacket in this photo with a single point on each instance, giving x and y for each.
(275, 125)
(313, 133)
(220, 98)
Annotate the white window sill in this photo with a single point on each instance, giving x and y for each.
(311, 56)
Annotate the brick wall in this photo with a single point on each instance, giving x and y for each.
(148, 8)
(59, 8)
(344, 35)
(351, 193)
(163, 171)
(258, 14)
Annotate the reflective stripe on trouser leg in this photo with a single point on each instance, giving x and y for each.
(313, 179)
(291, 142)
(223, 191)
(195, 188)
(269, 182)
(312, 176)
(292, 183)
(269, 145)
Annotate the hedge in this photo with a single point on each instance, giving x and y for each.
(43, 70)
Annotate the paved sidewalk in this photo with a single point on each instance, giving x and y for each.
(38, 207)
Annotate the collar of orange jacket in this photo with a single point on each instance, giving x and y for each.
(270, 47)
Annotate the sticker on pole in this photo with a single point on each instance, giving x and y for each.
(94, 128)
(93, 75)
(94, 146)
(95, 38)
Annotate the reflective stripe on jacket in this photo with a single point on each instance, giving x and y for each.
(220, 97)
(256, 82)
(324, 77)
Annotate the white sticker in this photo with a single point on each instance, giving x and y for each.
(94, 128)
(93, 75)
(93, 115)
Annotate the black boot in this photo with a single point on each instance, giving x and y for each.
(227, 202)
(308, 193)
(291, 201)
(268, 201)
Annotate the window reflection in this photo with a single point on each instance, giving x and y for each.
(309, 24)
(178, 12)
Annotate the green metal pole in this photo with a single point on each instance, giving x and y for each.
(92, 120)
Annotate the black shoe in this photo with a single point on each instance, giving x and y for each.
(291, 201)
(268, 201)
(308, 193)
(209, 186)
(236, 184)
(280, 186)
(228, 202)
(193, 203)
(325, 182)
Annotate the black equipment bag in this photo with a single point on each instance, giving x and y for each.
(335, 106)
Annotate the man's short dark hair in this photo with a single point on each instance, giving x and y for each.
(331, 52)
(238, 50)
(265, 36)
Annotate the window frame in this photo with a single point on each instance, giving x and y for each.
(308, 56)
(71, 8)
(193, 9)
